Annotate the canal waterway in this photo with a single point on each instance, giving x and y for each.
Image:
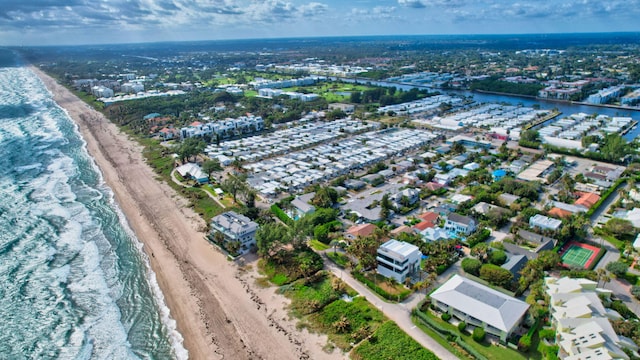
(566, 108)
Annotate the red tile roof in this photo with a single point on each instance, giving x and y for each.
(560, 213)
(587, 199)
(429, 216)
(424, 225)
(361, 230)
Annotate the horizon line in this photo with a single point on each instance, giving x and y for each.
(323, 37)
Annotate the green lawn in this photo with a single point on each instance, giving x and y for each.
(439, 339)
(318, 246)
(390, 342)
(340, 259)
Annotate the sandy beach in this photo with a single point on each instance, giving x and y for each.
(219, 310)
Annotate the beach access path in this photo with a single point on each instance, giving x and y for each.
(219, 311)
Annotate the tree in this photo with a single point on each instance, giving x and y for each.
(478, 334)
(620, 228)
(325, 197)
(234, 185)
(385, 206)
(617, 268)
(190, 147)
(497, 217)
(635, 291)
(496, 275)
(471, 266)
(548, 259)
(272, 236)
(457, 148)
(365, 250)
(210, 166)
(480, 251)
(497, 257)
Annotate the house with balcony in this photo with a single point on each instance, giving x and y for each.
(457, 224)
(480, 306)
(398, 260)
(235, 227)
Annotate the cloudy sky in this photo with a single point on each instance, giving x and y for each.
(51, 22)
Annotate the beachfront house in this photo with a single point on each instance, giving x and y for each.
(398, 260)
(480, 306)
(238, 230)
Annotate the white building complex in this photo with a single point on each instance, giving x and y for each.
(398, 260)
(480, 306)
(583, 330)
(236, 227)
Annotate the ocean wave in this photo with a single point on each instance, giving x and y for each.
(65, 273)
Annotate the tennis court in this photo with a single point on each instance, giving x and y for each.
(579, 255)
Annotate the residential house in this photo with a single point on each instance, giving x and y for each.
(353, 184)
(372, 178)
(508, 199)
(587, 199)
(302, 206)
(236, 227)
(433, 186)
(401, 229)
(499, 174)
(560, 213)
(480, 306)
(514, 264)
(398, 260)
(545, 223)
(412, 196)
(434, 233)
(457, 224)
(361, 230)
(193, 171)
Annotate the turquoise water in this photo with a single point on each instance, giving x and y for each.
(74, 282)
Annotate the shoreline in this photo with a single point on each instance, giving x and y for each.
(218, 310)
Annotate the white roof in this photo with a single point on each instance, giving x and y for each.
(399, 247)
(483, 303)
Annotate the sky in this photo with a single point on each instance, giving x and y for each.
(71, 22)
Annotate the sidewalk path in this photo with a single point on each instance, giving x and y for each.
(400, 313)
(175, 180)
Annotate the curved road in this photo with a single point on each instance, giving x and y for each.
(175, 180)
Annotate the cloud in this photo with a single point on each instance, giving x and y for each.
(412, 3)
(31, 14)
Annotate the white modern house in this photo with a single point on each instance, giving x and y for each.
(398, 260)
(480, 306)
(457, 223)
(544, 222)
(235, 227)
(583, 330)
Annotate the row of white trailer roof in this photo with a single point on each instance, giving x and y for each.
(300, 169)
(259, 147)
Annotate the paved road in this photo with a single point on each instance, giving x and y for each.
(400, 313)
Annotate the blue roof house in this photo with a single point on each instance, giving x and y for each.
(499, 174)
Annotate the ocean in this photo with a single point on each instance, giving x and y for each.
(74, 281)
